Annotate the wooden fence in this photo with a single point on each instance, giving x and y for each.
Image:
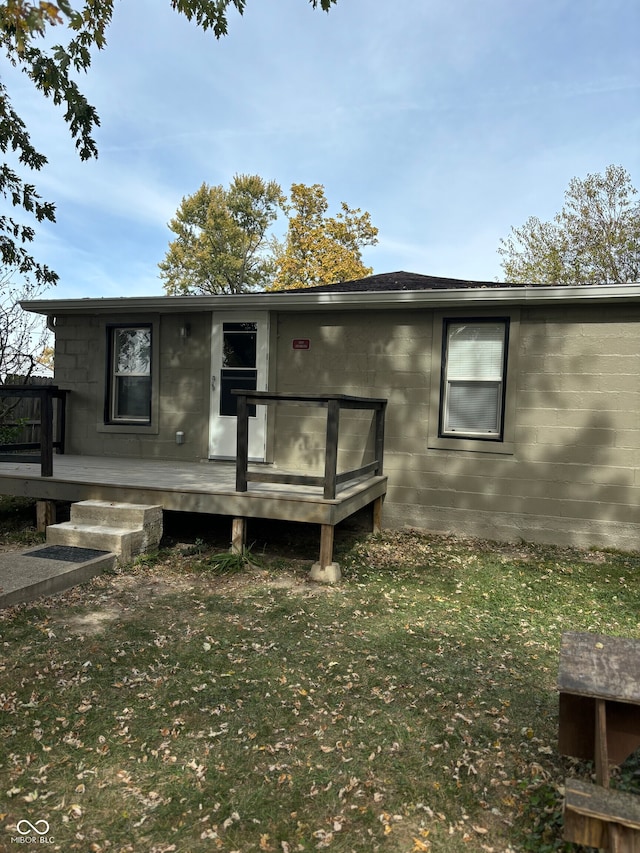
(52, 411)
(22, 411)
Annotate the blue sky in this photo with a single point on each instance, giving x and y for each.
(448, 120)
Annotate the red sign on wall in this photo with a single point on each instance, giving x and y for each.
(301, 343)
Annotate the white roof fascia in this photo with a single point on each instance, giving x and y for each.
(345, 300)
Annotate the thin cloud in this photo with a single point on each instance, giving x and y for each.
(448, 122)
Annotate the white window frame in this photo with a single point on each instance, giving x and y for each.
(487, 374)
(505, 444)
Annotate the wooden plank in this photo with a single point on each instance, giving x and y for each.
(376, 520)
(20, 457)
(183, 487)
(354, 473)
(260, 397)
(26, 390)
(242, 444)
(46, 433)
(238, 535)
(600, 741)
(45, 515)
(326, 545)
(60, 444)
(308, 479)
(289, 479)
(601, 817)
(331, 450)
(379, 438)
(600, 666)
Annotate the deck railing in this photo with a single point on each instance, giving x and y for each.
(334, 403)
(52, 426)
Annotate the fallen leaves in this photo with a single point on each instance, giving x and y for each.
(412, 703)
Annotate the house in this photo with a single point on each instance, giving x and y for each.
(513, 410)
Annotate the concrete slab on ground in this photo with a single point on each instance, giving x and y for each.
(47, 570)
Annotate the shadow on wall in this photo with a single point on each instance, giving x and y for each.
(184, 389)
(300, 438)
(572, 476)
(358, 355)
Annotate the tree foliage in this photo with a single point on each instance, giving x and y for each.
(321, 249)
(25, 38)
(221, 238)
(223, 243)
(594, 239)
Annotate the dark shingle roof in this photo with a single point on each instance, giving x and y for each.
(399, 281)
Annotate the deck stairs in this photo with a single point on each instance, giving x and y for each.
(121, 528)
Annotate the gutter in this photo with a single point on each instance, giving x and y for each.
(282, 301)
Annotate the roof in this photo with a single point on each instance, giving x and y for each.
(386, 291)
(400, 280)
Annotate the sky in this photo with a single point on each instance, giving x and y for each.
(449, 121)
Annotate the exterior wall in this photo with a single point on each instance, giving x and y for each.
(180, 374)
(566, 473)
(568, 476)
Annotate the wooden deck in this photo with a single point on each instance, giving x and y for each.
(237, 490)
(205, 487)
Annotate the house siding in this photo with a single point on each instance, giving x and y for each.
(182, 388)
(568, 474)
(572, 477)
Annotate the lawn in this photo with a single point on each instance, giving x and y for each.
(183, 705)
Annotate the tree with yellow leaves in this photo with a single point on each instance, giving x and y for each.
(321, 249)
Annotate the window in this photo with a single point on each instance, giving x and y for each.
(239, 364)
(129, 398)
(473, 378)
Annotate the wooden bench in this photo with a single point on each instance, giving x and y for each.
(601, 817)
(599, 713)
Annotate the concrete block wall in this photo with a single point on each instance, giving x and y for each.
(181, 388)
(572, 476)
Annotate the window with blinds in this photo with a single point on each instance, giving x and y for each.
(473, 372)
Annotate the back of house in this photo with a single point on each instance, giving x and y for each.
(513, 410)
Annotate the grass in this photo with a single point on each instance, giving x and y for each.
(410, 707)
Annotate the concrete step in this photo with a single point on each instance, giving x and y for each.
(124, 542)
(26, 576)
(125, 529)
(112, 514)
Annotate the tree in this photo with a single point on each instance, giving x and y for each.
(221, 238)
(24, 27)
(321, 249)
(595, 239)
(23, 336)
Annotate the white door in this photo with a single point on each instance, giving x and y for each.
(239, 359)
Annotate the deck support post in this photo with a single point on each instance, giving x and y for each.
(45, 515)
(376, 515)
(238, 535)
(325, 570)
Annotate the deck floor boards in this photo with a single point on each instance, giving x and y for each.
(184, 486)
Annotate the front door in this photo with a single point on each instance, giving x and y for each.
(239, 359)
